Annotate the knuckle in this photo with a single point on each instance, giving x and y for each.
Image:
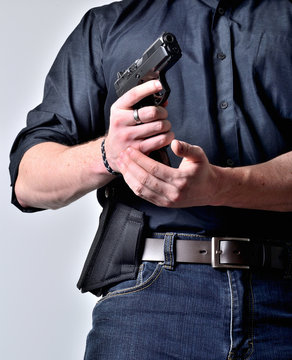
(117, 118)
(140, 186)
(167, 124)
(138, 189)
(133, 93)
(175, 197)
(167, 203)
(118, 121)
(151, 113)
(156, 187)
(154, 169)
(159, 126)
(160, 141)
(182, 184)
(164, 139)
(169, 136)
(144, 180)
(162, 111)
(125, 136)
(200, 151)
(170, 201)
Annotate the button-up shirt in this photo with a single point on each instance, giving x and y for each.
(231, 92)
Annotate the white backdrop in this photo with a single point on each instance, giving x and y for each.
(43, 316)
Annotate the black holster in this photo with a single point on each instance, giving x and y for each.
(116, 251)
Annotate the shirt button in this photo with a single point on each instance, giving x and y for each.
(221, 11)
(224, 105)
(221, 56)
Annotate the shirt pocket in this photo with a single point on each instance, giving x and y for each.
(273, 72)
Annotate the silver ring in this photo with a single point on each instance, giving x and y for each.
(136, 117)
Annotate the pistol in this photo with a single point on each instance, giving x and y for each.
(153, 64)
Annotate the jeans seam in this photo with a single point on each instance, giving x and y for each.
(230, 353)
(250, 351)
(140, 275)
(153, 277)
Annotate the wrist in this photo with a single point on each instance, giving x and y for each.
(230, 186)
(94, 172)
(105, 160)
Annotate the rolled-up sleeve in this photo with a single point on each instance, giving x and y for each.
(71, 111)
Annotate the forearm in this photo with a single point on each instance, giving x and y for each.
(266, 186)
(53, 175)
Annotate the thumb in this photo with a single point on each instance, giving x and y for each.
(189, 152)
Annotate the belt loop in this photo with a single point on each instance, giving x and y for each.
(169, 256)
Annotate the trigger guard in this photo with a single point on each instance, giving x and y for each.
(161, 96)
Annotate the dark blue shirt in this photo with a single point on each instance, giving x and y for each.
(231, 92)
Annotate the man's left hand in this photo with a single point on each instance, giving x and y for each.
(194, 183)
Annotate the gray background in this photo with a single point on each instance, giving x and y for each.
(43, 315)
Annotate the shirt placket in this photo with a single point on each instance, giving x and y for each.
(223, 72)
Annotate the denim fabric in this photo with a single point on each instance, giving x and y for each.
(191, 311)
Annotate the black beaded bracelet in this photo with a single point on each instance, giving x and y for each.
(106, 164)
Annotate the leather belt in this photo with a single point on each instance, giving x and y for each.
(222, 252)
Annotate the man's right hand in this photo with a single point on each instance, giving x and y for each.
(52, 175)
(154, 132)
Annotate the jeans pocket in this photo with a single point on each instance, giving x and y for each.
(148, 273)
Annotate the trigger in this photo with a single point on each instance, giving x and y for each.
(163, 94)
(159, 97)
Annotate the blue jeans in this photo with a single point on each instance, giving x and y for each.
(192, 311)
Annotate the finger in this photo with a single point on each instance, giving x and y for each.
(137, 93)
(156, 142)
(152, 113)
(142, 183)
(155, 168)
(145, 115)
(150, 129)
(188, 151)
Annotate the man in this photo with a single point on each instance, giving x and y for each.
(229, 123)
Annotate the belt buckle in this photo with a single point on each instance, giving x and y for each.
(216, 252)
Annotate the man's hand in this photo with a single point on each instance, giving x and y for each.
(194, 183)
(265, 186)
(53, 175)
(152, 134)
